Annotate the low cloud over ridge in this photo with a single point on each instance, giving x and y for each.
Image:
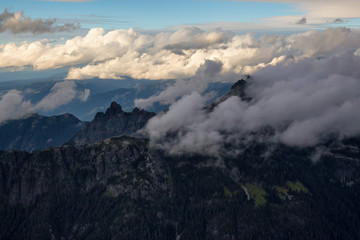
(14, 106)
(304, 103)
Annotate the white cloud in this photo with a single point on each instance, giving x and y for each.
(304, 102)
(83, 96)
(170, 55)
(60, 94)
(13, 105)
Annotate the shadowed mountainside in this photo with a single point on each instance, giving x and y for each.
(121, 188)
(37, 132)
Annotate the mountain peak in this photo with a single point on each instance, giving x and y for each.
(240, 84)
(238, 89)
(114, 122)
(114, 109)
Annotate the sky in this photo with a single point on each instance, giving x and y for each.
(159, 15)
(304, 57)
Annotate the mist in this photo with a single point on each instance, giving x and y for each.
(14, 106)
(304, 103)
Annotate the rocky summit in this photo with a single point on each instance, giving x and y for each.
(113, 122)
(238, 90)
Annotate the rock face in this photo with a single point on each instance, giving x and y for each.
(113, 122)
(121, 189)
(37, 132)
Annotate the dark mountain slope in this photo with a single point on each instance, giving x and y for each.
(121, 189)
(37, 132)
(112, 123)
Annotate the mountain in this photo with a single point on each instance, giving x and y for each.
(112, 123)
(125, 188)
(37, 132)
(238, 89)
(122, 189)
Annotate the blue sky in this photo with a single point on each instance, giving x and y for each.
(265, 16)
(112, 14)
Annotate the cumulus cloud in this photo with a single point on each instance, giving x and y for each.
(14, 106)
(251, 54)
(172, 55)
(210, 71)
(16, 22)
(304, 103)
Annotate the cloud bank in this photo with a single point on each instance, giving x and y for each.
(17, 23)
(303, 102)
(171, 55)
(305, 86)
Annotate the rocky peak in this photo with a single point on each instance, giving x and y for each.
(99, 116)
(114, 122)
(114, 109)
(136, 110)
(238, 89)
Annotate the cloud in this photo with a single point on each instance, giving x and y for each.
(14, 106)
(305, 86)
(83, 96)
(210, 71)
(171, 55)
(319, 12)
(249, 55)
(60, 94)
(304, 103)
(17, 23)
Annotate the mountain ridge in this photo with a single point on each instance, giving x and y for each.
(36, 132)
(112, 123)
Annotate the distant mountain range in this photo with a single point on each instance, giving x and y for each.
(37, 132)
(123, 188)
(102, 93)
